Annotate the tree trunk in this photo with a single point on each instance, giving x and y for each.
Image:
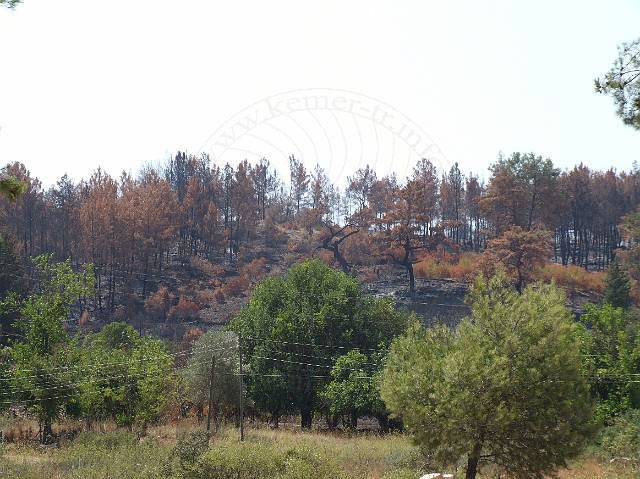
(47, 431)
(306, 418)
(346, 268)
(332, 421)
(412, 279)
(472, 462)
(354, 420)
(383, 421)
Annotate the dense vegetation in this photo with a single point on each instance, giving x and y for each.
(519, 372)
(519, 388)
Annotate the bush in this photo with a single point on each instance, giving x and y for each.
(621, 441)
(254, 460)
(190, 448)
(238, 461)
(236, 286)
(254, 270)
(219, 295)
(184, 310)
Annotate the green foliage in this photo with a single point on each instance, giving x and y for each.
(311, 455)
(11, 281)
(314, 306)
(10, 187)
(106, 455)
(617, 287)
(612, 353)
(223, 346)
(354, 388)
(44, 360)
(124, 377)
(622, 83)
(506, 387)
(261, 461)
(621, 440)
(188, 449)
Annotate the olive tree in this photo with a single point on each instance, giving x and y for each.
(506, 387)
(214, 358)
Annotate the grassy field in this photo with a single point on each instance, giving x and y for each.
(281, 454)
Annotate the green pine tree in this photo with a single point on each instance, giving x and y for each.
(617, 287)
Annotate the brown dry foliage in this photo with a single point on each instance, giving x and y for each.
(572, 277)
(218, 295)
(255, 270)
(207, 267)
(237, 286)
(159, 303)
(519, 252)
(443, 265)
(185, 309)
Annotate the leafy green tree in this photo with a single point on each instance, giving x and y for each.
(221, 348)
(151, 365)
(506, 387)
(612, 353)
(43, 372)
(354, 389)
(125, 377)
(271, 391)
(622, 83)
(298, 324)
(617, 288)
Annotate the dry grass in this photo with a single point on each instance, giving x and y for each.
(463, 266)
(356, 455)
(573, 278)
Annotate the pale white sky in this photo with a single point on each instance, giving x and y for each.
(86, 83)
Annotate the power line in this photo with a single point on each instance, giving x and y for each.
(95, 366)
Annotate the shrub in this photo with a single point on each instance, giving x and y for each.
(190, 447)
(158, 303)
(205, 296)
(219, 295)
(254, 460)
(185, 309)
(622, 439)
(254, 270)
(272, 235)
(357, 249)
(238, 461)
(236, 286)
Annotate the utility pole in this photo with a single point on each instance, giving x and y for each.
(211, 376)
(241, 390)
